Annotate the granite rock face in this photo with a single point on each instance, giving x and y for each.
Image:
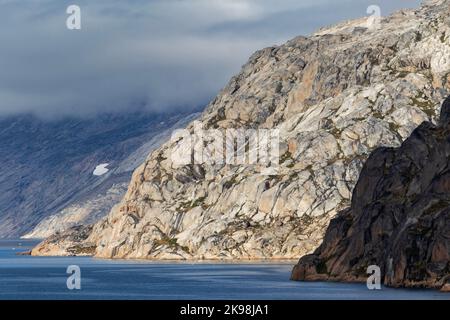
(399, 219)
(334, 97)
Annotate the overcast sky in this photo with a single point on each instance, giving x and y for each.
(162, 54)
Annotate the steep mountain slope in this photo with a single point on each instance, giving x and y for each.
(48, 165)
(334, 97)
(399, 219)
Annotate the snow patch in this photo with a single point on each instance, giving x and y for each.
(101, 169)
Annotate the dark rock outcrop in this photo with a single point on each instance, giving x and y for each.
(399, 217)
(46, 172)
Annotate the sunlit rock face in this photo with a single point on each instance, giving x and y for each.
(334, 97)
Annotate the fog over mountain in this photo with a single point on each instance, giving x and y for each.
(159, 54)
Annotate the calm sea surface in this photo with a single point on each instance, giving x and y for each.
(25, 277)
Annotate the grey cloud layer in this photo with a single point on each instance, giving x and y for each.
(160, 54)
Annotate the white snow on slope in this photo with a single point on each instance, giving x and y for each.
(101, 169)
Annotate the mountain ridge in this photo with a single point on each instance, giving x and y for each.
(399, 219)
(334, 96)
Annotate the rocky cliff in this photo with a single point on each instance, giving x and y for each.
(399, 219)
(82, 213)
(334, 96)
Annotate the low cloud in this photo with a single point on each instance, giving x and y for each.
(160, 54)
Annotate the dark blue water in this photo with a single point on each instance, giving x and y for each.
(25, 277)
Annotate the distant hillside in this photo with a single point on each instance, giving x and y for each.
(47, 165)
(334, 97)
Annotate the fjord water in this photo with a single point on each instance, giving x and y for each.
(26, 277)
